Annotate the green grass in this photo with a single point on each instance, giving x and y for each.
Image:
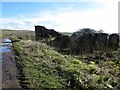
(18, 34)
(42, 67)
(46, 68)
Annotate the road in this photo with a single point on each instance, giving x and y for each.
(9, 68)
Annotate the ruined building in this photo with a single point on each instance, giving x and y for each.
(79, 44)
(113, 42)
(42, 32)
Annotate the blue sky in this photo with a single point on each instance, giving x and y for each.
(62, 16)
(13, 9)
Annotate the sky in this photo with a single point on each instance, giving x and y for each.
(61, 16)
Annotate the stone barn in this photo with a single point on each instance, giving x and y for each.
(77, 43)
(86, 43)
(113, 41)
(100, 41)
(42, 32)
(62, 41)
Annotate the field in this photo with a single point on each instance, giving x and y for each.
(19, 34)
(43, 67)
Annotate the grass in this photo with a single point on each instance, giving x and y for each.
(19, 34)
(38, 67)
(42, 67)
(45, 68)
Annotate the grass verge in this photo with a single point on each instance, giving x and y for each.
(43, 68)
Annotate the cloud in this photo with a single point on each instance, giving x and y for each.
(69, 20)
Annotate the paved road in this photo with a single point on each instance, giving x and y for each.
(9, 69)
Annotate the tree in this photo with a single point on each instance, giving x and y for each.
(100, 31)
(84, 31)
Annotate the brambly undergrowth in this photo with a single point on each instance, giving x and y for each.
(44, 68)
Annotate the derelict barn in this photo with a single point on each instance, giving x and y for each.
(42, 32)
(79, 44)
